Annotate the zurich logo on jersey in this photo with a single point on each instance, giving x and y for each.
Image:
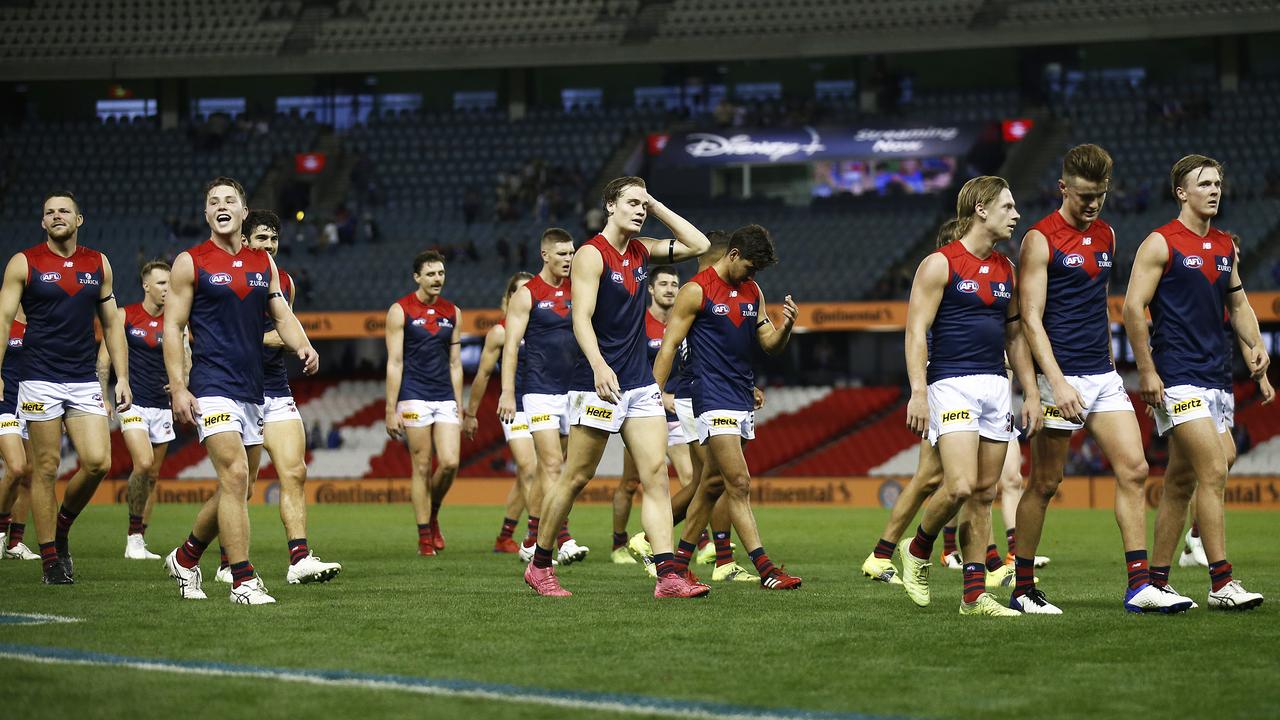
(50, 277)
(720, 309)
(1194, 262)
(220, 278)
(88, 279)
(967, 286)
(1073, 260)
(257, 281)
(616, 277)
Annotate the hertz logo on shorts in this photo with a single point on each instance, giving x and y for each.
(955, 416)
(724, 422)
(8, 423)
(32, 407)
(1052, 412)
(520, 428)
(1185, 406)
(410, 415)
(131, 419)
(545, 417)
(599, 412)
(216, 419)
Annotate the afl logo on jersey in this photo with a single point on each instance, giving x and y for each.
(1194, 262)
(720, 309)
(1073, 260)
(616, 277)
(220, 278)
(15, 342)
(655, 343)
(546, 304)
(50, 277)
(967, 286)
(418, 322)
(138, 332)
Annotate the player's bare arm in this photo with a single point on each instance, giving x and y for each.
(518, 309)
(1019, 353)
(287, 325)
(395, 368)
(455, 361)
(926, 294)
(177, 313)
(774, 339)
(1148, 266)
(272, 339)
(112, 322)
(585, 276)
(1245, 322)
(15, 279)
(689, 242)
(1033, 284)
(688, 300)
(493, 343)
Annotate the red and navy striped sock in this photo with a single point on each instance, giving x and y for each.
(922, 544)
(135, 524)
(5, 519)
(763, 564)
(17, 531)
(666, 563)
(298, 550)
(223, 560)
(1159, 575)
(241, 573)
(975, 581)
(424, 533)
(884, 550)
(531, 535)
(1219, 574)
(1010, 541)
(65, 518)
(703, 539)
(619, 540)
(948, 540)
(684, 553)
(190, 552)
(563, 536)
(1139, 573)
(541, 557)
(48, 555)
(994, 561)
(1024, 575)
(724, 548)
(1195, 530)
(508, 528)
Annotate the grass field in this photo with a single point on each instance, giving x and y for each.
(841, 644)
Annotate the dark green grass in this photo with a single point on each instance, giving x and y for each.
(840, 643)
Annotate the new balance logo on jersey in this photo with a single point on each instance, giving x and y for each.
(1087, 241)
(956, 416)
(1193, 262)
(984, 270)
(216, 419)
(599, 412)
(50, 277)
(237, 263)
(725, 422)
(1182, 407)
(256, 280)
(33, 407)
(967, 286)
(68, 263)
(220, 278)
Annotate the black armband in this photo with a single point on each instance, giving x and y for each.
(671, 251)
(112, 296)
(1013, 319)
(1237, 288)
(276, 294)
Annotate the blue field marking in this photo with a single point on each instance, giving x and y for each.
(11, 618)
(599, 702)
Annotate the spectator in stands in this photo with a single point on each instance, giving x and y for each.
(1244, 441)
(369, 228)
(593, 220)
(313, 435)
(335, 438)
(302, 286)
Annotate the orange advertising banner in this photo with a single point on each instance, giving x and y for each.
(886, 316)
(1242, 493)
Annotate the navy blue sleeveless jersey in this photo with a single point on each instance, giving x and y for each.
(228, 319)
(1187, 339)
(144, 335)
(967, 336)
(1075, 307)
(275, 377)
(61, 302)
(428, 333)
(720, 340)
(618, 319)
(12, 370)
(550, 351)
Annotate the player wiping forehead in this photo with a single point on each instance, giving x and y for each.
(63, 287)
(283, 434)
(1065, 264)
(1186, 273)
(225, 291)
(613, 388)
(722, 313)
